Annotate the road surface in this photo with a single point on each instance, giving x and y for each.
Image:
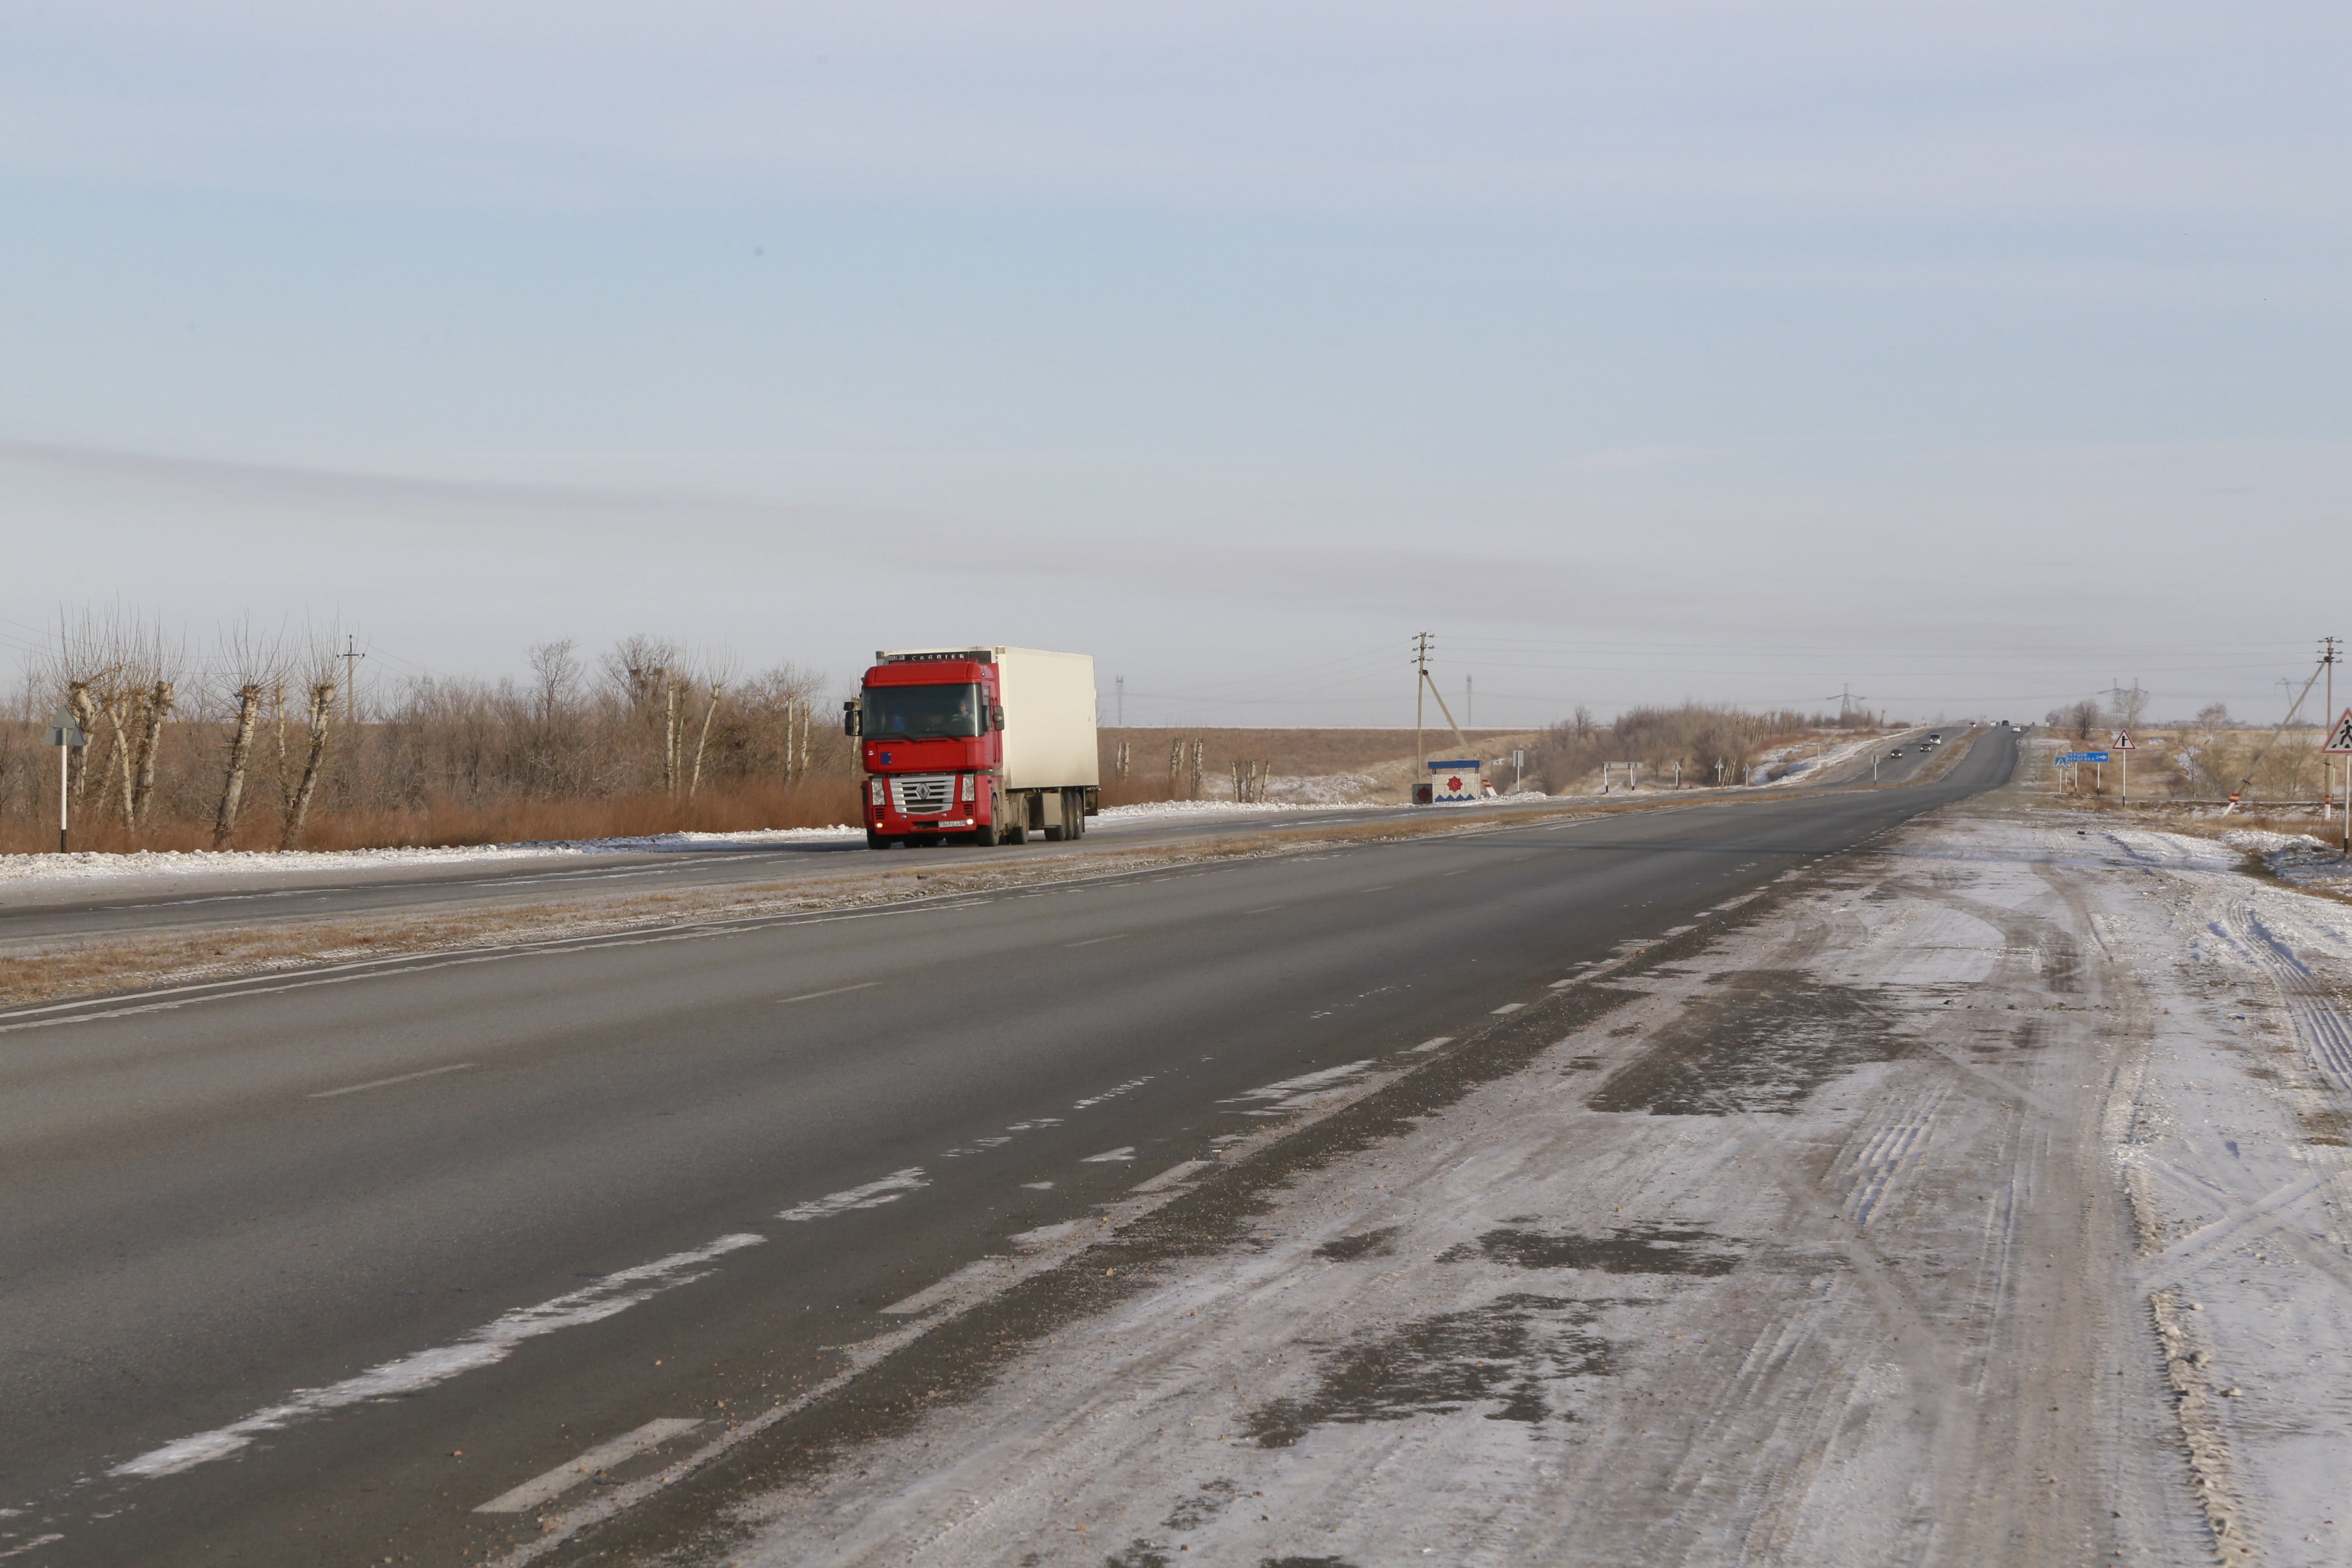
(310, 1268)
(33, 913)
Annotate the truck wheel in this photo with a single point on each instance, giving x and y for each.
(877, 841)
(1052, 834)
(1015, 834)
(1073, 812)
(984, 835)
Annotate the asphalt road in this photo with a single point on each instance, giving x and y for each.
(33, 913)
(551, 1195)
(37, 913)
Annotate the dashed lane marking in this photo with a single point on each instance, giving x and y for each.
(1171, 1176)
(873, 1194)
(1115, 936)
(486, 1346)
(603, 1456)
(1433, 1045)
(836, 990)
(1508, 1007)
(1124, 1153)
(388, 1082)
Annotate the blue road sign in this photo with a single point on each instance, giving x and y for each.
(2067, 759)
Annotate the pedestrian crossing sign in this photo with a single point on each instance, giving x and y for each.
(2339, 738)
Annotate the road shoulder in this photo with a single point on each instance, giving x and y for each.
(1887, 1217)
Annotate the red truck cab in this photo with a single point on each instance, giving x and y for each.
(943, 763)
(930, 747)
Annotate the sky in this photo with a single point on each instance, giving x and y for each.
(1968, 358)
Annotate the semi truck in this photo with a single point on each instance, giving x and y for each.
(976, 745)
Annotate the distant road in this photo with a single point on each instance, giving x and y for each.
(163, 904)
(554, 1195)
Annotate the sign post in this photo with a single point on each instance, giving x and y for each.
(66, 737)
(2339, 743)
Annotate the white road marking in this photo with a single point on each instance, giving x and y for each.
(486, 1346)
(1039, 1186)
(386, 1082)
(1268, 911)
(1508, 1007)
(1132, 1084)
(1383, 888)
(872, 1195)
(1305, 1090)
(1562, 985)
(24, 1546)
(1115, 936)
(1433, 1045)
(603, 1456)
(1124, 1153)
(836, 990)
(1171, 1176)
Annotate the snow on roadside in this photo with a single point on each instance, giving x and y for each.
(48, 868)
(1805, 767)
(1808, 1242)
(2239, 1162)
(2296, 857)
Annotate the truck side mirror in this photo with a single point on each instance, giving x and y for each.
(851, 720)
(996, 715)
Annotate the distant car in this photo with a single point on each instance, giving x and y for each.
(1896, 752)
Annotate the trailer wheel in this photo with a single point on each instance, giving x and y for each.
(984, 835)
(1012, 833)
(1073, 812)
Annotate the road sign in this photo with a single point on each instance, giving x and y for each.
(64, 731)
(2340, 738)
(2123, 741)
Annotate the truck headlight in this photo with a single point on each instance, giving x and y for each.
(875, 785)
(968, 788)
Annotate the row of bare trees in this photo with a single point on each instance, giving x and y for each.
(247, 738)
(126, 683)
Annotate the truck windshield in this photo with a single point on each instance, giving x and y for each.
(919, 713)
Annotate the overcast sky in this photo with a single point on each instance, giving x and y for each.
(1975, 354)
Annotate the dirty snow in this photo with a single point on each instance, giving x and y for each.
(84, 864)
(1983, 1200)
(1796, 764)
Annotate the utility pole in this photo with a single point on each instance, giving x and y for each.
(1120, 681)
(2327, 806)
(351, 656)
(1469, 702)
(1419, 680)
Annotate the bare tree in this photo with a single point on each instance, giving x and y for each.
(557, 675)
(298, 801)
(157, 703)
(248, 663)
(722, 672)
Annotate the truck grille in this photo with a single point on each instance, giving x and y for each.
(926, 794)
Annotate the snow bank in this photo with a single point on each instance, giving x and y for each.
(2296, 857)
(89, 865)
